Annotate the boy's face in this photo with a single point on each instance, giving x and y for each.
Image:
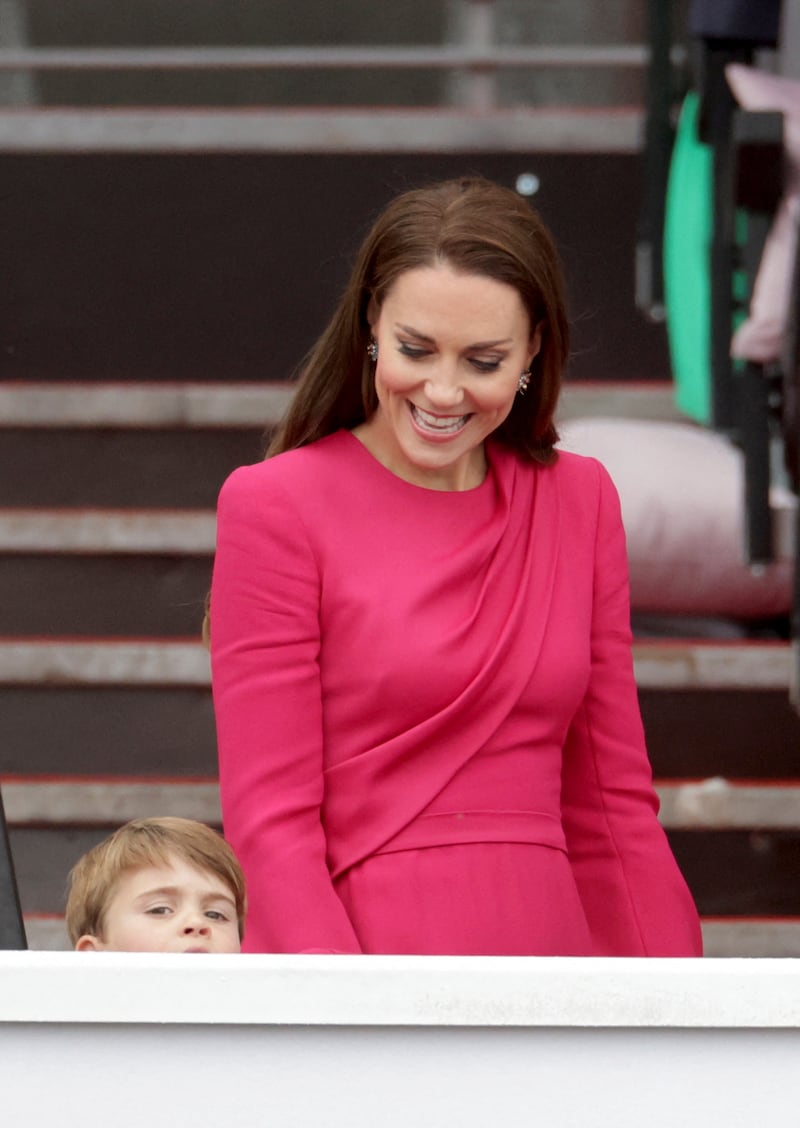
(169, 908)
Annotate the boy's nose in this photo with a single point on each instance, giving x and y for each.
(196, 922)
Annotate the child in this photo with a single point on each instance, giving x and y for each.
(158, 885)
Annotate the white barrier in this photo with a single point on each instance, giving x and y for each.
(384, 1041)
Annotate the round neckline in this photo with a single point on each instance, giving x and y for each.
(428, 491)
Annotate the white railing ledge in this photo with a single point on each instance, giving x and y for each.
(329, 990)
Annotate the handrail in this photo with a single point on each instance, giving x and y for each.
(328, 58)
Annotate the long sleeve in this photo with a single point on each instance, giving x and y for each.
(635, 898)
(266, 684)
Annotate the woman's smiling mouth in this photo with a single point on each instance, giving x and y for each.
(437, 424)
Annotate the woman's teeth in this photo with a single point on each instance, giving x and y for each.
(441, 424)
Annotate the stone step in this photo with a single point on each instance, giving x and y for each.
(178, 532)
(112, 468)
(672, 665)
(710, 804)
(169, 730)
(215, 266)
(89, 729)
(730, 872)
(104, 595)
(133, 404)
(105, 572)
(252, 130)
(723, 938)
(734, 937)
(34, 404)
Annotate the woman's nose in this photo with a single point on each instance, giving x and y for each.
(443, 390)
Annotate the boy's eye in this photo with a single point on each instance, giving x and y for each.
(158, 910)
(214, 914)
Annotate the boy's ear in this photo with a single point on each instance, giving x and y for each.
(88, 943)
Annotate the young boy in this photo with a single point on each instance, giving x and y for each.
(158, 885)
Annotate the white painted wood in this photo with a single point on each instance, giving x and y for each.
(399, 991)
(356, 1041)
(398, 1077)
(673, 665)
(519, 130)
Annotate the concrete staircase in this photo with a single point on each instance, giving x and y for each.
(104, 683)
(169, 249)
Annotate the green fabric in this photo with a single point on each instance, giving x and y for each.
(687, 288)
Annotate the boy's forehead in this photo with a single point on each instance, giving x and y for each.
(173, 872)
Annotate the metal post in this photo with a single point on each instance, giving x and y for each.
(472, 24)
(12, 929)
(659, 135)
(16, 89)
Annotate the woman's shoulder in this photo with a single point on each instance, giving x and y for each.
(581, 469)
(566, 470)
(293, 472)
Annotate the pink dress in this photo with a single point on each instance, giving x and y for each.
(428, 727)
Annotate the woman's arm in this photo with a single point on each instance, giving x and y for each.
(636, 900)
(267, 699)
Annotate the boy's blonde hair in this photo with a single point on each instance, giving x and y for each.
(146, 842)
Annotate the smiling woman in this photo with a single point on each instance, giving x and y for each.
(428, 727)
(450, 349)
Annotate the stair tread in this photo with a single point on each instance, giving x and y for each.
(672, 664)
(566, 129)
(710, 804)
(227, 404)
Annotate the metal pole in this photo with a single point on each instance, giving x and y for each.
(659, 135)
(12, 929)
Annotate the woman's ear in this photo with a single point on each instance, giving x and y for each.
(534, 344)
(88, 943)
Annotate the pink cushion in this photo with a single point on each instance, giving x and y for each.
(760, 337)
(681, 489)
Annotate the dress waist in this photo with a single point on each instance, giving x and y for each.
(451, 828)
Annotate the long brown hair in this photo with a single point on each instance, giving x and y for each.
(477, 227)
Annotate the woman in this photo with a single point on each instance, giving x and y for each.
(428, 727)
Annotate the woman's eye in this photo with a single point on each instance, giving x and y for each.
(485, 365)
(412, 351)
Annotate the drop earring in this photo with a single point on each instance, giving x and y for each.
(372, 350)
(524, 381)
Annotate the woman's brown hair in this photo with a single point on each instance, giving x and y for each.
(474, 226)
(477, 227)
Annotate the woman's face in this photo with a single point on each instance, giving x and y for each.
(451, 347)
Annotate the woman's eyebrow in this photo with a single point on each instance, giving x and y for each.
(414, 333)
(476, 346)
